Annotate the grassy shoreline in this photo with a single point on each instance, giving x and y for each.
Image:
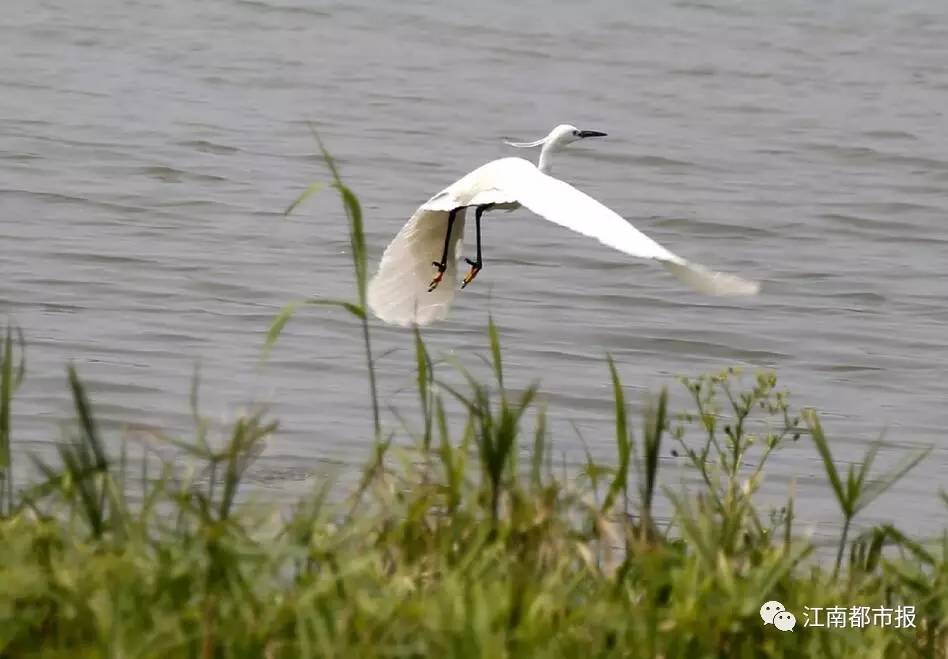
(467, 543)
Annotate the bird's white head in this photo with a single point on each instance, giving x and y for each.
(558, 138)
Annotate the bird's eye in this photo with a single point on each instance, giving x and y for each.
(575, 133)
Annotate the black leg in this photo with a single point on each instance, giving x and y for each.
(479, 263)
(443, 264)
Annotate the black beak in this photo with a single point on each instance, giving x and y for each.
(591, 133)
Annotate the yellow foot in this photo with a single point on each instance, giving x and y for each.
(469, 277)
(437, 278)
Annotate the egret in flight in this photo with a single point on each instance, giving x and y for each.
(403, 291)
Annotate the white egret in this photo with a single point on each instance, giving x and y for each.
(403, 291)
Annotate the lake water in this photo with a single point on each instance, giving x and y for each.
(147, 151)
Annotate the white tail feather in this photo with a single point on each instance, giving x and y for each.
(398, 293)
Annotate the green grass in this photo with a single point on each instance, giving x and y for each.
(467, 540)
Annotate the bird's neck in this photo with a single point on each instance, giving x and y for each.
(546, 158)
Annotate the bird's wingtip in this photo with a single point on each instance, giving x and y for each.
(710, 282)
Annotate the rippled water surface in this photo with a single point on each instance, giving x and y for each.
(147, 151)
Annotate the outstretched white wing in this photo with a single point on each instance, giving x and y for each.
(398, 293)
(561, 203)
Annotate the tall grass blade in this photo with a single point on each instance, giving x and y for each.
(356, 240)
(90, 431)
(539, 449)
(8, 384)
(623, 440)
(656, 419)
(306, 194)
(858, 491)
(822, 446)
(424, 376)
(495, 351)
(879, 485)
(360, 266)
(289, 310)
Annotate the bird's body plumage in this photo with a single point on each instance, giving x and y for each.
(399, 291)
